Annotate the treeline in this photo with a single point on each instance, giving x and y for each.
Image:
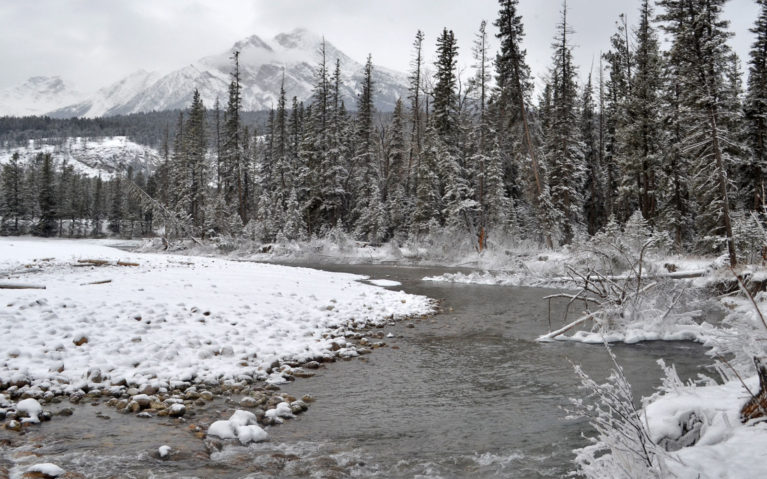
(670, 134)
(47, 199)
(143, 128)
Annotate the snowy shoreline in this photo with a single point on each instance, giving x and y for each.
(114, 321)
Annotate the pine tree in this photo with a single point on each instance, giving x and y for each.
(756, 114)
(196, 163)
(13, 186)
(116, 206)
(445, 86)
(594, 200)
(514, 85)
(414, 91)
(369, 212)
(426, 213)
(232, 151)
(640, 139)
(617, 88)
(564, 147)
(700, 54)
(46, 225)
(98, 207)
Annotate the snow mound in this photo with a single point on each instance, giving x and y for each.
(46, 469)
(242, 426)
(386, 283)
(30, 408)
(163, 451)
(701, 428)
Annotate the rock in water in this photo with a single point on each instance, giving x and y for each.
(30, 409)
(163, 451)
(45, 470)
(252, 433)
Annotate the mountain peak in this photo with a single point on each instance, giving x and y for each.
(298, 38)
(289, 57)
(253, 41)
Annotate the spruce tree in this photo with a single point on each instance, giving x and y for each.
(196, 160)
(445, 81)
(414, 92)
(756, 114)
(46, 225)
(232, 151)
(13, 185)
(564, 147)
(616, 91)
(700, 55)
(640, 137)
(594, 200)
(514, 85)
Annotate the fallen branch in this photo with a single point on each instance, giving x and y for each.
(622, 277)
(20, 286)
(126, 263)
(97, 282)
(93, 262)
(553, 335)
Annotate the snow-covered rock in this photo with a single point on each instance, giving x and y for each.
(30, 410)
(222, 429)
(46, 469)
(243, 426)
(163, 451)
(252, 433)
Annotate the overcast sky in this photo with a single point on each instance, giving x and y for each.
(91, 43)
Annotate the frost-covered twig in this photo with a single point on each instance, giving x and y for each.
(623, 446)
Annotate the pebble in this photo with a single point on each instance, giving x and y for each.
(13, 425)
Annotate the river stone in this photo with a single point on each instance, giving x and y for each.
(249, 402)
(312, 365)
(297, 407)
(206, 395)
(94, 374)
(66, 412)
(13, 425)
(177, 410)
(191, 394)
(148, 389)
(142, 400)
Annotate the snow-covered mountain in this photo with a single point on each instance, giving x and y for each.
(36, 96)
(262, 64)
(90, 156)
(107, 98)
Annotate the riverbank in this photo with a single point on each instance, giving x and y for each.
(162, 334)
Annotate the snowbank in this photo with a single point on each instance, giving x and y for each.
(702, 429)
(170, 317)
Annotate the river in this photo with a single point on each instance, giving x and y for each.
(466, 393)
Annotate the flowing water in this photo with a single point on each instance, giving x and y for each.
(467, 393)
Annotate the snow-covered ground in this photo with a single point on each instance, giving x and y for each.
(171, 318)
(709, 416)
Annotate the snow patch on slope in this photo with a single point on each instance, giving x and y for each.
(89, 156)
